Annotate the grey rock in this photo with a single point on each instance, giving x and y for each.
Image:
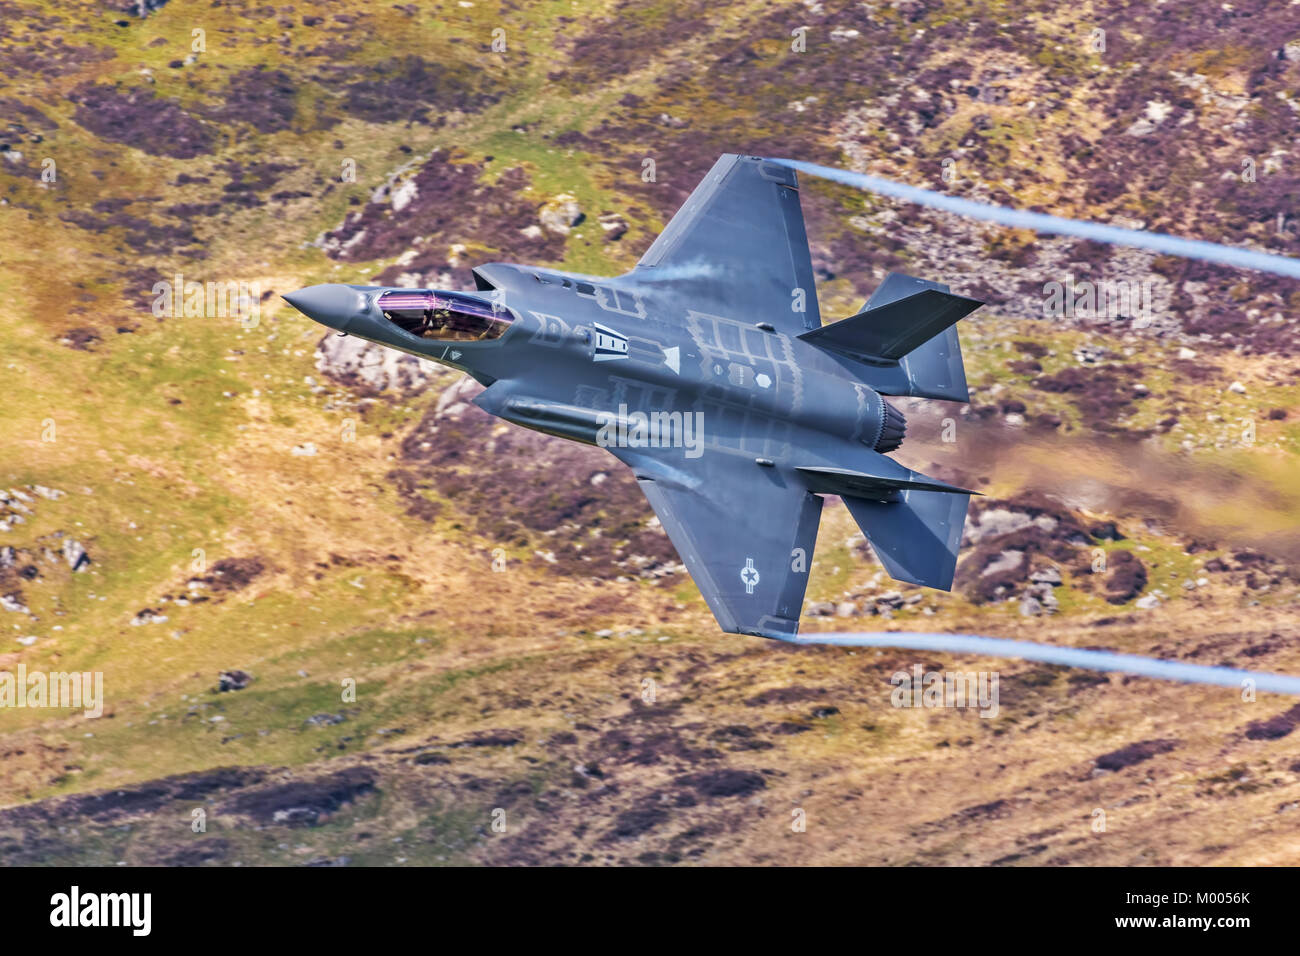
(233, 680)
(614, 225)
(325, 720)
(561, 214)
(1029, 606)
(1049, 575)
(454, 400)
(1008, 560)
(997, 521)
(1089, 354)
(353, 361)
(75, 554)
(890, 599)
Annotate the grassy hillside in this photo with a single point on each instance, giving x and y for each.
(246, 505)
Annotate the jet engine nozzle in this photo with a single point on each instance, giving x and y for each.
(892, 429)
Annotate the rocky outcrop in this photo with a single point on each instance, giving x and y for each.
(360, 364)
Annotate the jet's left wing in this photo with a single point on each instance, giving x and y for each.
(745, 532)
(738, 247)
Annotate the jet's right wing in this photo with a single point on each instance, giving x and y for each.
(738, 248)
(745, 532)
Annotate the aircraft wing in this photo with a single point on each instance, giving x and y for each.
(738, 248)
(745, 532)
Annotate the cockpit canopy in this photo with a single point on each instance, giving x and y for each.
(448, 316)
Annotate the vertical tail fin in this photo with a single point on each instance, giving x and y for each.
(906, 336)
(935, 370)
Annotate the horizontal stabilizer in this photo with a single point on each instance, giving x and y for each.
(857, 484)
(889, 332)
(916, 538)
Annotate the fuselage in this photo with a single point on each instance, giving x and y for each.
(578, 354)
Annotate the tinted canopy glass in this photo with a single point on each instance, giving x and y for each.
(450, 316)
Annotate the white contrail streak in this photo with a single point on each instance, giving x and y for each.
(1066, 656)
(1056, 225)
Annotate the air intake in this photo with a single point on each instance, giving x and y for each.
(892, 431)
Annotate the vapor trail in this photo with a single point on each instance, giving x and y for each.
(1056, 225)
(1067, 656)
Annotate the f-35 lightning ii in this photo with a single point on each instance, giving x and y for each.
(708, 372)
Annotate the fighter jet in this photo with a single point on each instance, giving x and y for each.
(707, 371)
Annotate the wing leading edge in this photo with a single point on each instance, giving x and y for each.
(746, 534)
(738, 247)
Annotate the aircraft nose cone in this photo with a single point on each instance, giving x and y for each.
(330, 304)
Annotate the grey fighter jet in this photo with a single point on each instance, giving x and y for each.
(708, 372)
